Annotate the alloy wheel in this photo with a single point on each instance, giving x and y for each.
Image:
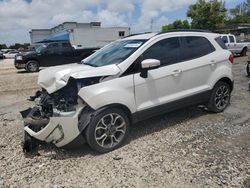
(110, 130)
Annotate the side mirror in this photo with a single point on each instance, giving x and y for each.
(148, 64)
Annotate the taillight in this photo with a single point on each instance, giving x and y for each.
(231, 58)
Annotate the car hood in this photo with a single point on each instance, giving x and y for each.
(55, 78)
(28, 53)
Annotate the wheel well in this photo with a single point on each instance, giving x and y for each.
(122, 107)
(228, 81)
(32, 60)
(244, 49)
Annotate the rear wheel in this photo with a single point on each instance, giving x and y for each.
(107, 130)
(32, 66)
(220, 97)
(248, 68)
(244, 52)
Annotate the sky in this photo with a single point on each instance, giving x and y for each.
(18, 17)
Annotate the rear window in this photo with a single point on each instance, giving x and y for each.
(221, 43)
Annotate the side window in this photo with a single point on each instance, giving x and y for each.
(224, 39)
(66, 47)
(195, 47)
(231, 39)
(167, 51)
(53, 48)
(134, 67)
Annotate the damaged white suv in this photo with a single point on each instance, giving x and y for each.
(125, 82)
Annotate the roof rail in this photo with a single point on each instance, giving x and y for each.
(185, 30)
(137, 34)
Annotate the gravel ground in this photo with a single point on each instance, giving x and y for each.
(185, 148)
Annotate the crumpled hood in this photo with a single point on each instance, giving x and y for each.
(55, 78)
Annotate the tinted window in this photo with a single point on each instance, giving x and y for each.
(66, 45)
(195, 47)
(224, 39)
(221, 43)
(231, 39)
(167, 51)
(53, 45)
(53, 48)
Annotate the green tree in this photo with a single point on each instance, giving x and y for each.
(177, 24)
(3, 46)
(239, 14)
(18, 45)
(207, 15)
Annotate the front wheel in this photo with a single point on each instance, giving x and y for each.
(107, 130)
(220, 97)
(32, 66)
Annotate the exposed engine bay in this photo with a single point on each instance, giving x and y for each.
(63, 103)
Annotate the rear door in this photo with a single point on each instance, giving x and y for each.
(67, 53)
(198, 57)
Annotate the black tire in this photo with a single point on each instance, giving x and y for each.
(32, 66)
(220, 97)
(248, 68)
(244, 52)
(103, 140)
(28, 143)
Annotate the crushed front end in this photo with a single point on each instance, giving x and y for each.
(54, 117)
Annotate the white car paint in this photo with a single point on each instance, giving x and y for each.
(233, 45)
(163, 85)
(10, 54)
(55, 78)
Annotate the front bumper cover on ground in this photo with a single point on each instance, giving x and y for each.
(60, 130)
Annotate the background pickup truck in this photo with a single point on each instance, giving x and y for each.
(51, 54)
(237, 48)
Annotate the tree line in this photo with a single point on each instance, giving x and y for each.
(212, 15)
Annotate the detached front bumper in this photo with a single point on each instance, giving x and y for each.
(61, 130)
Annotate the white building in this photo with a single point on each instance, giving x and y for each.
(80, 35)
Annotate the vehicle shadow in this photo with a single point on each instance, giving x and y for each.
(137, 130)
(25, 72)
(165, 121)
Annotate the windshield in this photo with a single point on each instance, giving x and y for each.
(114, 53)
(40, 48)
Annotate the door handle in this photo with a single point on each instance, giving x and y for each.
(212, 63)
(176, 72)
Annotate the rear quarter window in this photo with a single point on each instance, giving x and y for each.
(221, 43)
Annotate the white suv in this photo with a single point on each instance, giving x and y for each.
(125, 82)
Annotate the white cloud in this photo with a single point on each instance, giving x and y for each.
(17, 17)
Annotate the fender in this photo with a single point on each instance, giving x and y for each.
(115, 91)
(220, 72)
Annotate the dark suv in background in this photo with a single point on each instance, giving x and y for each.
(51, 54)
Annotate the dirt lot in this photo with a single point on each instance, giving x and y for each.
(186, 148)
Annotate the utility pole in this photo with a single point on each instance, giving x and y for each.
(241, 9)
(151, 24)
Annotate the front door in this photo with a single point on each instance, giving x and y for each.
(162, 83)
